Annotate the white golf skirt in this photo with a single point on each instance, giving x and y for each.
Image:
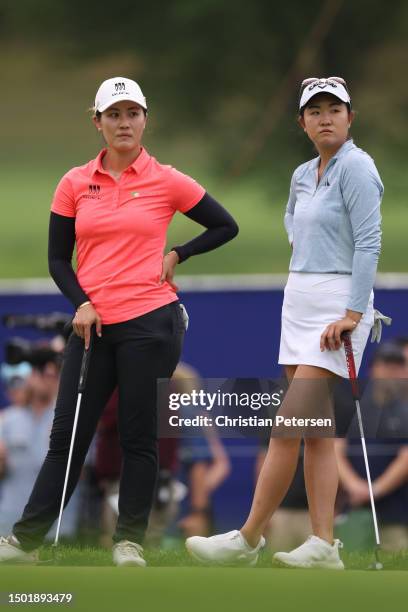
(311, 302)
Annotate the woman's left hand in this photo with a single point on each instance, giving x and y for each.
(331, 337)
(170, 262)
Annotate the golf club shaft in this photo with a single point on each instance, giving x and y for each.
(81, 386)
(356, 395)
(68, 468)
(367, 467)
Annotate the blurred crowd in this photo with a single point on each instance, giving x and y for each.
(193, 467)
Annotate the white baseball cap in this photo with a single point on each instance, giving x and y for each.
(117, 89)
(331, 85)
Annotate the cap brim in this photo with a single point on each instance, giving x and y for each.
(119, 98)
(340, 93)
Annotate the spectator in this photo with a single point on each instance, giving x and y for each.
(385, 415)
(402, 342)
(204, 460)
(14, 378)
(24, 435)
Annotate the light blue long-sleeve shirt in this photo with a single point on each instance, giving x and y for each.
(335, 225)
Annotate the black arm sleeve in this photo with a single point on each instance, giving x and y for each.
(61, 241)
(221, 228)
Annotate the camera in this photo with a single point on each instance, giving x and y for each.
(37, 353)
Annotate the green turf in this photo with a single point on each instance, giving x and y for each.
(258, 206)
(173, 582)
(177, 556)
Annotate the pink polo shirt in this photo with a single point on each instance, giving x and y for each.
(121, 229)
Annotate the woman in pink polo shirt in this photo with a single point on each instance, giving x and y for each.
(116, 210)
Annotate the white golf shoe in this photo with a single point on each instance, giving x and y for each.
(314, 553)
(127, 553)
(11, 551)
(225, 549)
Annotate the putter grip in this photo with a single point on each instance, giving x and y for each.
(351, 366)
(85, 364)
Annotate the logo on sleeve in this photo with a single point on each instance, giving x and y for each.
(93, 192)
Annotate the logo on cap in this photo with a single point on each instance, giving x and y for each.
(322, 83)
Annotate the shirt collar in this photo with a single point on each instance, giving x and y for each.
(138, 165)
(345, 147)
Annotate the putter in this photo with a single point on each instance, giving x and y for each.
(81, 387)
(351, 366)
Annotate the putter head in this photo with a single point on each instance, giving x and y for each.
(54, 551)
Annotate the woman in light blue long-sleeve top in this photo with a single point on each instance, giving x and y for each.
(334, 227)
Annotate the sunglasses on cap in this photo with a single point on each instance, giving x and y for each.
(334, 85)
(313, 82)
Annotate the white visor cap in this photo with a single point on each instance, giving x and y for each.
(324, 86)
(116, 90)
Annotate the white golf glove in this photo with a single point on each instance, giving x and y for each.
(376, 330)
(185, 316)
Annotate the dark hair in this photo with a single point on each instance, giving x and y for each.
(303, 87)
(388, 352)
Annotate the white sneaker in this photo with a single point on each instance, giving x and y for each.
(128, 553)
(224, 549)
(11, 551)
(314, 553)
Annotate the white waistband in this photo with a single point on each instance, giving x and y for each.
(325, 282)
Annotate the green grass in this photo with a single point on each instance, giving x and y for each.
(177, 556)
(173, 582)
(258, 206)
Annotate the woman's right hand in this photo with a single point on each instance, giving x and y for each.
(85, 317)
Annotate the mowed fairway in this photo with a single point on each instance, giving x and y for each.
(211, 589)
(261, 246)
